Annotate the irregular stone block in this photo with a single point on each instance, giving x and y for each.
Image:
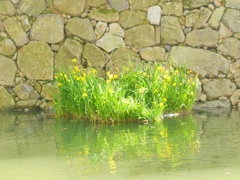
(153, 53)
(198, 18)
(81, 28)
(35, 60)
(237, 77)
(47, 91)
(109, 42)
(116, 29)
(218, 88)
(142, 4)
(233, 4)
(203, 37)
(7, 47)
(7, 8)
(15, 30)
(119, 5)
(224, 32)
(25, 23)
(8, 70)
(32, 7)
(26, 91)
(130, 19)
(42, 31)
(235, 97)
(192, 4)
(171, 32)
(216, 17)
(100, 29)
(26, 103)
(105, 15)
(96, 3)
(70, 7)
(201, 61)
(140, 36)
(172, 8)
(6, 100)
(154, 15)
(231, 19)
(231, 47)
(94, 56)
(123, 57)
(215, 104)
(71, 49)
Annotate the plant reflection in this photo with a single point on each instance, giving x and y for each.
(168, 141)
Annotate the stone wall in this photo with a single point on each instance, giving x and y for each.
(38, 36)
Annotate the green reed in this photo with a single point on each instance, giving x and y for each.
(143, 93)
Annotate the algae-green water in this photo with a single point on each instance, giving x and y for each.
(202, 145)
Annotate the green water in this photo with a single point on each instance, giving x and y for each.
(203, 145)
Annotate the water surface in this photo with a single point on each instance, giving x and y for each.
(203, 145)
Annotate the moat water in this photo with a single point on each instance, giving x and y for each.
(202, 145)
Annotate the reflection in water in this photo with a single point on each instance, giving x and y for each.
(167, 142)
(204, 145)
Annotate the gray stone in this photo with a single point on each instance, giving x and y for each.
(35, 60)
(198, 18)
(154, 15)
(233, 4)
(7, 8)
(171, 32)
(187, 30)
(100, 29)
(215, 104)
(70, 7)
(217, 3)
(192, 4)
(130, 19)
(94, 3)
(48, 28)
(32, 7)
(224, 32)
(15, 30)
(201, 61)
(235, 97)
(142, 4)
(153, 53)
(94, 56)
(121, 58)
(237, 35)
(237, 77)
(140, 36)
(81, 28)
(216, 17)
(109, 42)
(157, 35)
(119, 5)
(230, 47)
(203, 37)
(26, 91)
(116, 29)
(218, 88)
(26, 103)
(6, 100)
(7, 47)
(105, 15)
(25, 23)
(231, 19)
(48, 91)
(71, 49)
(172, 8)
(8, 70)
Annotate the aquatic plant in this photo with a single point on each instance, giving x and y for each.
(143, 93)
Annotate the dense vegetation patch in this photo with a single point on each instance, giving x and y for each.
(133, 94)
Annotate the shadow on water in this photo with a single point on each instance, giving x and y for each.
(33, 145)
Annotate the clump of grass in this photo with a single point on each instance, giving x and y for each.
(145, 93)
